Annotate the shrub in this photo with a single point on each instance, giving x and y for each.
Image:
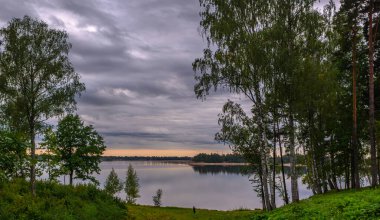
(55, 201)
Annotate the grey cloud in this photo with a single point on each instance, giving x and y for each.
(137, 135)
(135, 58)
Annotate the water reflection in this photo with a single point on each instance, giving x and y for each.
(217, 169)
(209, 187)
(238, 169)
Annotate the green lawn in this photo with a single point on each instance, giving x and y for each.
(139, 212)
(350, 204)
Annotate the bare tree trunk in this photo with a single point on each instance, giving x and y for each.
(273, 191)
(71, 177)
(286, 198)
(316, 175)
(355, 182)
(347, 176)
(265, 180)
(324, 176)
(333, 171)
(314, 163)
(263, 147)
(32, 164)
(378, 162)
(293, 173)
(262, 188)
(374, 171)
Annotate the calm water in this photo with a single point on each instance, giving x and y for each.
(214, 187)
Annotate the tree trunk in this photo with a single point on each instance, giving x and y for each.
(71, 177)
(378, 162)
(32, 164)
(374, 170)
(355, 181)
(316, 175)
(262, 188)
(333, 171)
(293, 173)
(347, 176)
(313, 151)
(271, 190)
(286, 197)
(263, 147)
(273, 196)
(265, 181)
(324, 176)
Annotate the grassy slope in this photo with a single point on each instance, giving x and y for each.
(350, 204)
(362, 204)
(55, 201)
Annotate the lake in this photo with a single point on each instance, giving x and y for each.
(183, 185)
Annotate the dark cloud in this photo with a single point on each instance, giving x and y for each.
(135, 57)
(138, 135)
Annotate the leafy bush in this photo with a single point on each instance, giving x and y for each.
(55, 201)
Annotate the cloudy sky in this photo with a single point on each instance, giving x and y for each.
(135, 58)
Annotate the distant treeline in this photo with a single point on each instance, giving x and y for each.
(236, 158)
(286, 159)
(218, 158)
(202, 157)
(139, 158)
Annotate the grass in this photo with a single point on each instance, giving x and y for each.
(55, 201)
(139, 212)
(349, 204)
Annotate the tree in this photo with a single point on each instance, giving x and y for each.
(132, 185)
(37, 80)
(78, 147)
(113, 184)
(13, 159)
(240, 132)
(372, 131)
(262, 49)
(157, 198)
(50, 161)
(352, 58)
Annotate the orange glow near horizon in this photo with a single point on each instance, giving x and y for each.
(154, 152)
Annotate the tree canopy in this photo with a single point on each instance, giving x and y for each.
(37, 79)
(78, 147)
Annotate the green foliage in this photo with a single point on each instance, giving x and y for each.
(77, 146)
(13, 158)
(132, 186)
(218, 158)
(49, 161)
(37, 78)
(54, 201)
(157, 198)
(113, 184)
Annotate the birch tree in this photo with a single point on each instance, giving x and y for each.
(37, 78)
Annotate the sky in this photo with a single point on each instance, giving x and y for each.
(135, 57)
